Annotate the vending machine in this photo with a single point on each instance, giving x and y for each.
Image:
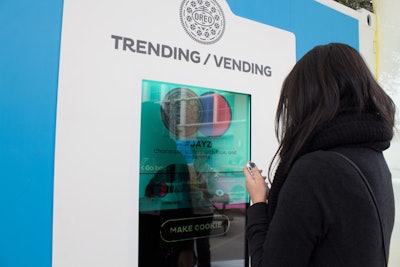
(160, 106)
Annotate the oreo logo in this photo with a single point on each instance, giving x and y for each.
(203, 20)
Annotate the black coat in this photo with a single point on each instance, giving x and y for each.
(325, 215)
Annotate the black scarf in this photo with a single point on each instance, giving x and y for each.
(363, 129)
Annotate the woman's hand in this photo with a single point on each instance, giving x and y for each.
(256, 185)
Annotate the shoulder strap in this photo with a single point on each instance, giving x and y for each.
(372, 196)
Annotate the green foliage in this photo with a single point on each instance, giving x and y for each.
(357, 4)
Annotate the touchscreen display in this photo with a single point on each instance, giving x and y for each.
(194, 143)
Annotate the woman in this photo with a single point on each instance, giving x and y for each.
(318, 211)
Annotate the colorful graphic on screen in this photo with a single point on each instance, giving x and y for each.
(192, 136)
(181, 111)
(217, 114)
(184, 112)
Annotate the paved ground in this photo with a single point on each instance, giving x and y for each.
(394, 256)
(392, 156)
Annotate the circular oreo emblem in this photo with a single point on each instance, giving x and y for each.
(181, 112)
(203, 20)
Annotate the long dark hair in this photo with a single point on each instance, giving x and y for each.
(328, 80)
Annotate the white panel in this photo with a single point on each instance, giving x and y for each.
(98, 114)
